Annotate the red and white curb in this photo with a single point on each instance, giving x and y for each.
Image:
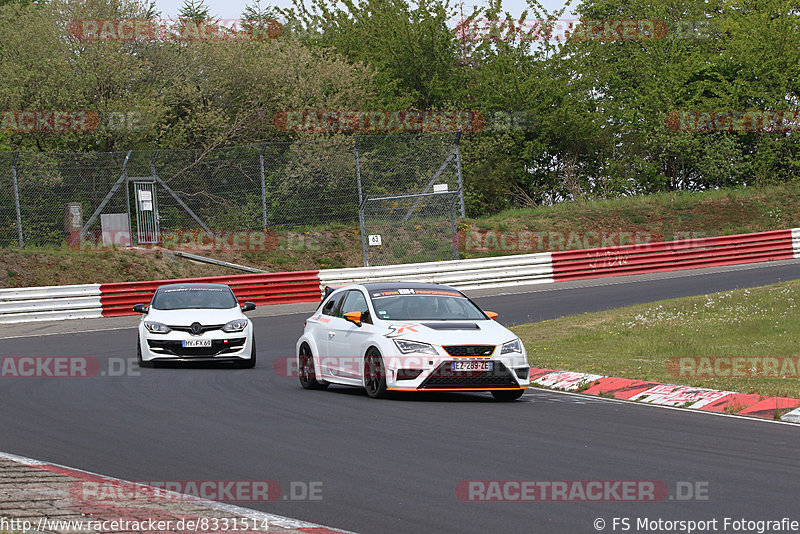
(256, 516)
(658, 394)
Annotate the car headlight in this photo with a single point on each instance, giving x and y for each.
(156, 328)
(237, 325)
(511, 346)
(407, 347)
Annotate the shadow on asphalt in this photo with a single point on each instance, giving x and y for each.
(425, 396)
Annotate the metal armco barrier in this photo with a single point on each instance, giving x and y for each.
(673, 255)
(478, 273)
(51, 303)
(110, 300)
(268, 288)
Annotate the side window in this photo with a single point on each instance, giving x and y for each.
(333, 306)
(356, 302)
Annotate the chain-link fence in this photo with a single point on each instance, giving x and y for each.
(277, 185)
(410, 228)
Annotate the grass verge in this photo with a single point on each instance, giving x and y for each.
(653, 341)
(571, 225)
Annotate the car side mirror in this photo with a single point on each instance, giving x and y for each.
(248, 306)
(140, 308)
(492, 315)
(353, 317)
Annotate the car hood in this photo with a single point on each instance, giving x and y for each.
(450, 332)
(189, 316)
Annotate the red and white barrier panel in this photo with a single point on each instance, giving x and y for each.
(676, 255)
(796, 242)
(110, 300)
(659, 394)
(117, 299)
(476, 273)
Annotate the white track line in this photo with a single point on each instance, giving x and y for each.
(646, 404)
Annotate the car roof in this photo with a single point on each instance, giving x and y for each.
(380, 286)
(192, 285)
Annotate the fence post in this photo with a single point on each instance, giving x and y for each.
(263, 186)
(16, 198)
(128, 196)
(458, 170)
(454, 228)
(361, 204)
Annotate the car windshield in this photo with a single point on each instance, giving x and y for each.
(424, 304)
(176, 298)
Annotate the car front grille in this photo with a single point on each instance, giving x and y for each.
(443, 378)
(466, 351)
(203, 328)
(218, 346)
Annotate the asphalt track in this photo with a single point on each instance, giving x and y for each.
(393, 465)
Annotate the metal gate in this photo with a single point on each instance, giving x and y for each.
(409, 228)
(147, 231)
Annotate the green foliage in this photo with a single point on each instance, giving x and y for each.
(597, 109)
(195, 11)
(412, 48)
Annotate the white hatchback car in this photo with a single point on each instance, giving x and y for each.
(195, 323)
(409, 336)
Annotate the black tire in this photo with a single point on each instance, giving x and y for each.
(306, 371)
(374, 374)
(505, 395)
(139, 360)
(249, 364)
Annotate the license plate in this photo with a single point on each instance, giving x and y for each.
(472, 366)
(189, 343)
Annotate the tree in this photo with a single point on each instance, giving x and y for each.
(261, 22)
(411, 47)
(195, 11)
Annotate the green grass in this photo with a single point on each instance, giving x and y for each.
(658, 217)
(638, 341)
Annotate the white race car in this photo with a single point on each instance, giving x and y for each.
(409, 336)
(195, 323)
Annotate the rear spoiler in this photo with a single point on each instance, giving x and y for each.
(328, 290)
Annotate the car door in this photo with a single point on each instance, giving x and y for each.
(324, 331)
(347, 339)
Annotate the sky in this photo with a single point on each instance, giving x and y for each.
(232, 9)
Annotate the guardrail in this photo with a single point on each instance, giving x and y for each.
(117, 299)
(474, 273)
(269, 288)
(673, 255)
(51, 303)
